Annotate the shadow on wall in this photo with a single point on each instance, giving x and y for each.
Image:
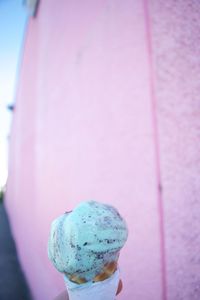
(12, 281)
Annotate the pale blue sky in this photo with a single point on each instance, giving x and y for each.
(13, 20)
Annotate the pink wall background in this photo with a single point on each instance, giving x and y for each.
(105, 111)
(176, 48)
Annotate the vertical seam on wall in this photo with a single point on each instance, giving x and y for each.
(148, 32)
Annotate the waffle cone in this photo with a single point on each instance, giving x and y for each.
(107, 271)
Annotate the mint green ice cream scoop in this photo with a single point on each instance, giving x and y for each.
(83, 241)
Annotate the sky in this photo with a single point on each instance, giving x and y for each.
(13, 21)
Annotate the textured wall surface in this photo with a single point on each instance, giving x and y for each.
(176, 47)
(83, 129)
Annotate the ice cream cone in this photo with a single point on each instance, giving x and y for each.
(85, 244)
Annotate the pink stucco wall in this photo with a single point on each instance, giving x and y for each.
(176, 48)
(91, 122)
